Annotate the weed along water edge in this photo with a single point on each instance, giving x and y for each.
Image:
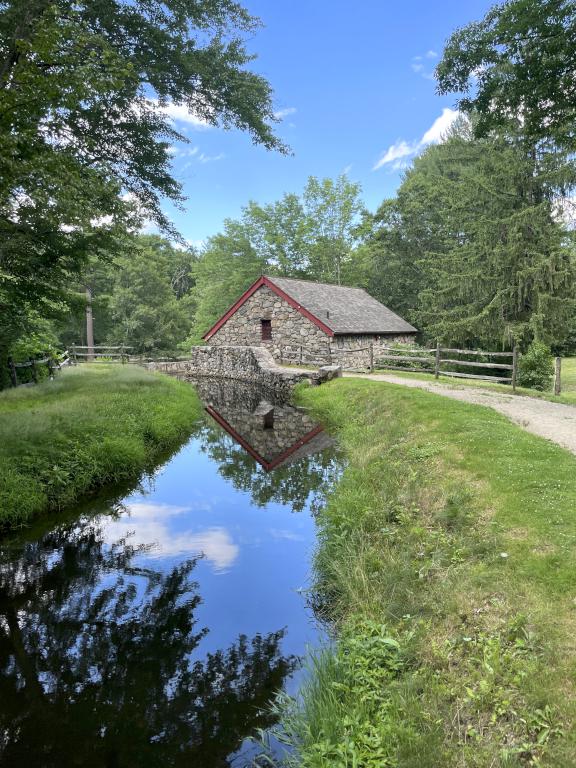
(447, 565)
(153, 626)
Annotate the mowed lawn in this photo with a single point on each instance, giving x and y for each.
(92, 425)
(569, 376)
(447, 563)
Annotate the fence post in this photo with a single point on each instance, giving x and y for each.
(371, 356)
(73, 348)
(34, 371)
(280, 352)
(514, 367)
(300, 358)
(13, 373)
(437, 361)
(50, 365)
(329, 354)
(558, 376)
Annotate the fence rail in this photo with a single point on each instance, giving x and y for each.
(52, 362)
(94, 354)
(440, 357)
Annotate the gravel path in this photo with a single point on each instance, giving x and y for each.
(554, 421)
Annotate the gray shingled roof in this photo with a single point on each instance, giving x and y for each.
(343, 309)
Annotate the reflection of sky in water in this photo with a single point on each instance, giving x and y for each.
(255, 559)
(212, 549)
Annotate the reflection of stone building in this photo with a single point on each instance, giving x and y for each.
(301, 321)
(273, 432)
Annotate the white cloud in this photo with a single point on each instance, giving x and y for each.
(421, 68)
(149, 525)
(397, 153)
(280, 114)
(437, 131)
(202, 158)
(180, 113)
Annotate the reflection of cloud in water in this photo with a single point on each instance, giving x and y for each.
(148, 524)
(278, 533)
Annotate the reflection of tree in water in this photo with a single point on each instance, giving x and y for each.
(306, 480)
(94, 662)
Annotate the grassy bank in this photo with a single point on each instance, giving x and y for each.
(91, 426)
(447, 562)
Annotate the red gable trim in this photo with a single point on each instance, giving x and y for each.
(267, 465)
(279, 292)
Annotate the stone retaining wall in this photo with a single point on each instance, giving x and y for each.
(253, 364)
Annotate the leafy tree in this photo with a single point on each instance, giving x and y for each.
(84, 132)
(334, 209)
(386, 261)
(517, 64)
(227, 266)
(149, 306)
(281, 233)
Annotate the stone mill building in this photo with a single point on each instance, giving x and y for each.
(300, 321)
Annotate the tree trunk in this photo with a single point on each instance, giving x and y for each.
(89, 325)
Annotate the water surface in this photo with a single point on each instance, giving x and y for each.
(151, 627)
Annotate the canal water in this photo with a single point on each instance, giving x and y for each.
(151, 626)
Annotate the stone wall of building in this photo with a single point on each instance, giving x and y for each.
(295, 339)
(289, 327)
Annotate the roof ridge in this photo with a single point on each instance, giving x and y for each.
(272, 278)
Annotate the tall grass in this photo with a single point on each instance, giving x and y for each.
(447, 567)
(88, 427)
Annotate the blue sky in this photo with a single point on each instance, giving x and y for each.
(354, 84)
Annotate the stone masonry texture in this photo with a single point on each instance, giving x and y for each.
(295, 339)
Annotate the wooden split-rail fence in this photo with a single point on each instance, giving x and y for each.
(500, 367)
(100, 353)
(31, 368)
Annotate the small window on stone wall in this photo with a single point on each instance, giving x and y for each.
(266, 330)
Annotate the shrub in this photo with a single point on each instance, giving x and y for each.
(536, 367)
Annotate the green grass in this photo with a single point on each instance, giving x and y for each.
(89, 427)
(569, 376)
(447, 566)
(567, 396)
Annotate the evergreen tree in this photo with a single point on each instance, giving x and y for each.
(475, 235)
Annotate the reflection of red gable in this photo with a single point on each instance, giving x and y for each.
(267, 465)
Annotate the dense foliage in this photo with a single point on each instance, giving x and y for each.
(471, 249)
(143, 298)
(84, 129)
(475, 249)
(311, 236)
(536, 367)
